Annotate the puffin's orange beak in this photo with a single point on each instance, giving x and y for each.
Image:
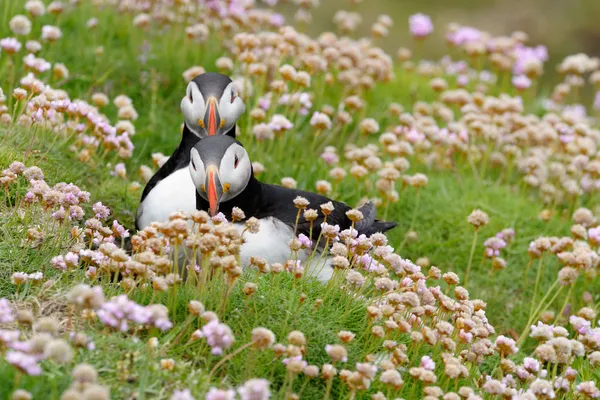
(214, 189)
(212, 117)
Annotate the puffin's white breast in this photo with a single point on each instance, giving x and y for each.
(174, 193)
(271, 243)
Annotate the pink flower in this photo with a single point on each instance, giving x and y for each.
(218, 336)
(464, 35)
(220, 394)
(420, 25)
(580, 325)
(306, 242)
(184, 394)
(119, 170)
(101, 210)
(462, 80)
(521, 82)
(531, 364)
(24, 362)
(330, 157)
(255, 389)
(296, 358)
(594, 233)
(219, 218)
(524, 55)
(119, 230)
(280, 123)
(59, 263)
(427, 363)
(10, 45)
(6, 314)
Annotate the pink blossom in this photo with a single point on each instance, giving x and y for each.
(330, 157)
(220, 394)
(531, 364)
(420, 25)
(184, 394)
(427, 363)
(101, 210)
(594, 233)
(59, 263)
(24, 362)
(218, 336)
(521, 82)
(6, 313)
(10, 45)
(119, 230)
(255, 389)
(464, 35)
(580, 325)
(306, 242)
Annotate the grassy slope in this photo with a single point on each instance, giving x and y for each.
(156, 87)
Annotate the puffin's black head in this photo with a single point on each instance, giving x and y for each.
(211, 105)
(220, 168)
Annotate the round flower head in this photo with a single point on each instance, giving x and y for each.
(420, 25)
(255, 389)
(20, 25)
(478, 219)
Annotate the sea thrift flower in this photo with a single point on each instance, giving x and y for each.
(219, 336)
(20, 25)
(521, 82)
(51, 33)
(101, 210)
(10, 45)
(420, 25)
(220, 394)
(427, 363)
(6, 314)
(26, 363)
(184, 394)
(337, 352)
(320, 121)
(478, 218)
(255, 389)
(119, 171)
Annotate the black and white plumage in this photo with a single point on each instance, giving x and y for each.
(211, 106)
(222, 174)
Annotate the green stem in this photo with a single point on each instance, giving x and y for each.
(473, 245)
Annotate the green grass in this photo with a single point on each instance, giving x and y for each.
(156, 86)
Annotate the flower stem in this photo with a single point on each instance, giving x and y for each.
(227, 358)
(470, 258)
(537, 282)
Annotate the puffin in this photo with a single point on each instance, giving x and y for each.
(211, 107)
(222, 174)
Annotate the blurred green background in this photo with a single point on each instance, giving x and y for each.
(564, 26)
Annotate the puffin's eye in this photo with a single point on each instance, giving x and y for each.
(236, 162)
(193, 165)
(233, 95)
(191, 97)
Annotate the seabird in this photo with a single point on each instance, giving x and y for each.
(211, 107)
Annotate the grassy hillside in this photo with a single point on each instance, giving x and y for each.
(416, 138)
